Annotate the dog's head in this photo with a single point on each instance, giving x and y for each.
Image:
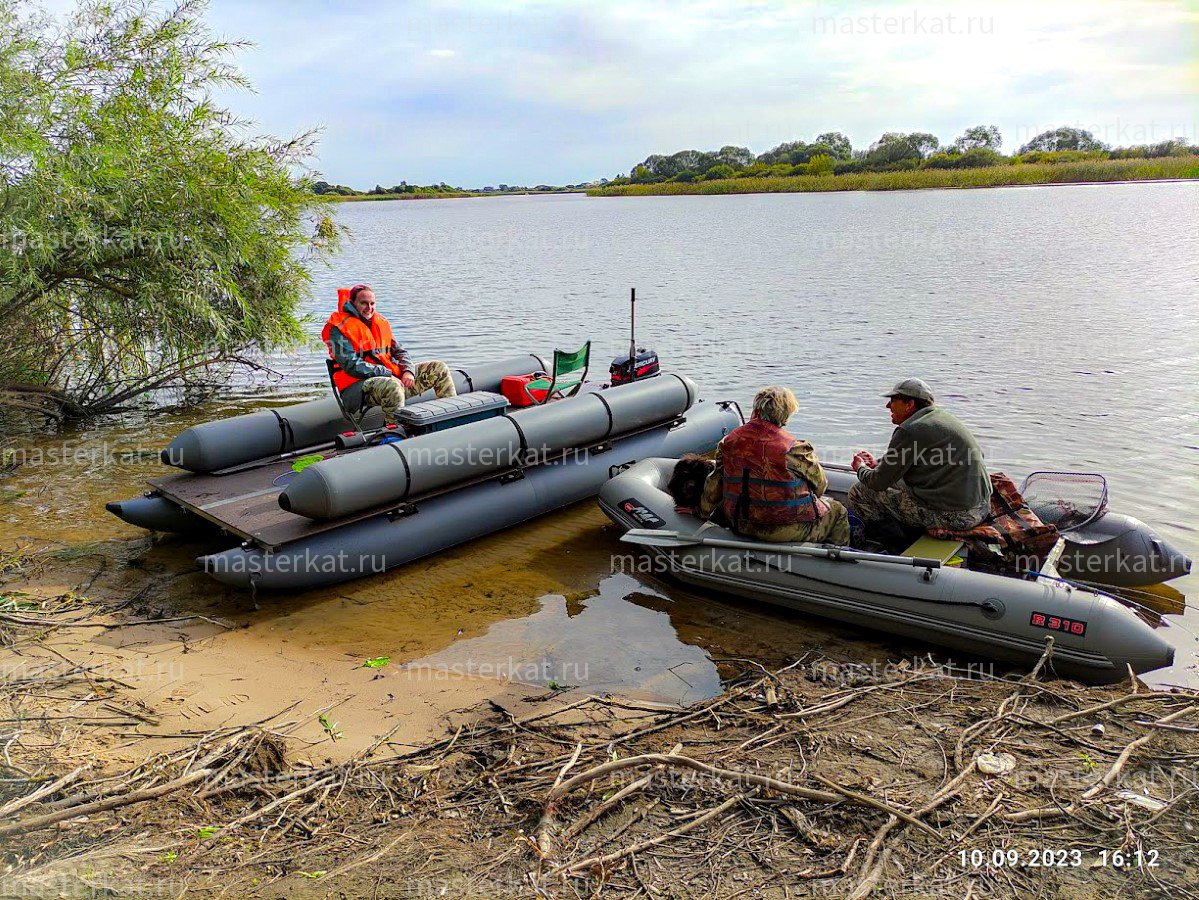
(686, 485)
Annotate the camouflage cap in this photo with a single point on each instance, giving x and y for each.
(913, 388)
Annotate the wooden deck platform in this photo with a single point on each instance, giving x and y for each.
(246, 503)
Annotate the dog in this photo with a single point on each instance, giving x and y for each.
(686, 486)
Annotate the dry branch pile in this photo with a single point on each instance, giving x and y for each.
(818, 780)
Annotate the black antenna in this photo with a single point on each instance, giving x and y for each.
(632, 324)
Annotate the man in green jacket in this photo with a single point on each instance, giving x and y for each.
(932, 475)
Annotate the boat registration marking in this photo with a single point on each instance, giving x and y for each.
(1058, 623)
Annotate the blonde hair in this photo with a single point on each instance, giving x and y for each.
(775, 404)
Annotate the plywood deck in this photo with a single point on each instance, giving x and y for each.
(246, 503)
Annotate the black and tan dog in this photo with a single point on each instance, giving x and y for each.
(686, 486)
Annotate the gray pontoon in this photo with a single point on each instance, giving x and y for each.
(979, 613)
(307, 513)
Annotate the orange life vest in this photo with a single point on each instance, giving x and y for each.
(372, 341)
(759, 489)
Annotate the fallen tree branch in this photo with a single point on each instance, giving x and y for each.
(88, 809)
(686, 762)
(603, 862)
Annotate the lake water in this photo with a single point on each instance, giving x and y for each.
(1058, 322)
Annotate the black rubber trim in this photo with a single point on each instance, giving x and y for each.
(397, 446)
(520, 433)
(608, 410)
(470, 382)
(540, 361)
(287, 437)
(691, 398)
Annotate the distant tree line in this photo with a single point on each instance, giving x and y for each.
(341, 190)
(832, 153)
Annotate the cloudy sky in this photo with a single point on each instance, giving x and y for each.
(480, 93)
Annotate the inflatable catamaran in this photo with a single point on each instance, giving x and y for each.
(314, 498)
(925, 593)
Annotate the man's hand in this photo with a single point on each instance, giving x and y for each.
(863, 458)
(408, 380)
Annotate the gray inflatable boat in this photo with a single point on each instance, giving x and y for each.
(982, 614)
(308, 514)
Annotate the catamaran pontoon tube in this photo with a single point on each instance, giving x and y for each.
(423, 526)
(218, 445)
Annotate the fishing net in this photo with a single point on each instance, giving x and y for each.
(1067, 500)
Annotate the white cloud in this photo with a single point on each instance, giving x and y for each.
(542, 91)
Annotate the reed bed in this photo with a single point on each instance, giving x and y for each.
(1098, 170)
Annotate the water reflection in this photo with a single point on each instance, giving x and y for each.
(602, 642)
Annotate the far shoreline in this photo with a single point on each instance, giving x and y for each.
(457, 195)
(913, 190)
(1165, 170)
(699, 192)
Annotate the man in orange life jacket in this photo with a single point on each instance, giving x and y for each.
(768, 484)
(372, 369)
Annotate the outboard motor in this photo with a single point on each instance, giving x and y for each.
(639, 362)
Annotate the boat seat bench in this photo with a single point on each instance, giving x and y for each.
(929, 547)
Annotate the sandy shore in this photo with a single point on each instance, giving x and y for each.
(163, 738)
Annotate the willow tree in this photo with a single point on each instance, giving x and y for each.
(148, 240)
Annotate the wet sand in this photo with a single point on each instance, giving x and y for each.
(535, 610)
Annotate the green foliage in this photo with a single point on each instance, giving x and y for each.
(837, 144)
(832, 144)
(15, 604)
(991, 176)
(898, 150)
(338, 190)
(975, 158)
(642, 175)
(895, 152)
(1062, 156)
(1064, 138)
(980, 137)
(821, 164)
(658, 168)
(330, 727)
(721, 170)
(734, 157)
(149, 241)
(1172, 147)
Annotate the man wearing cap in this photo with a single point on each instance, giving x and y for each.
(932, 474)
(372, 369)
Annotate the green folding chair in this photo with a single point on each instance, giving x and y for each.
(562, 380)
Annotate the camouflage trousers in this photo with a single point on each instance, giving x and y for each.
(900, 504)
(389, 393)
(831, 528)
